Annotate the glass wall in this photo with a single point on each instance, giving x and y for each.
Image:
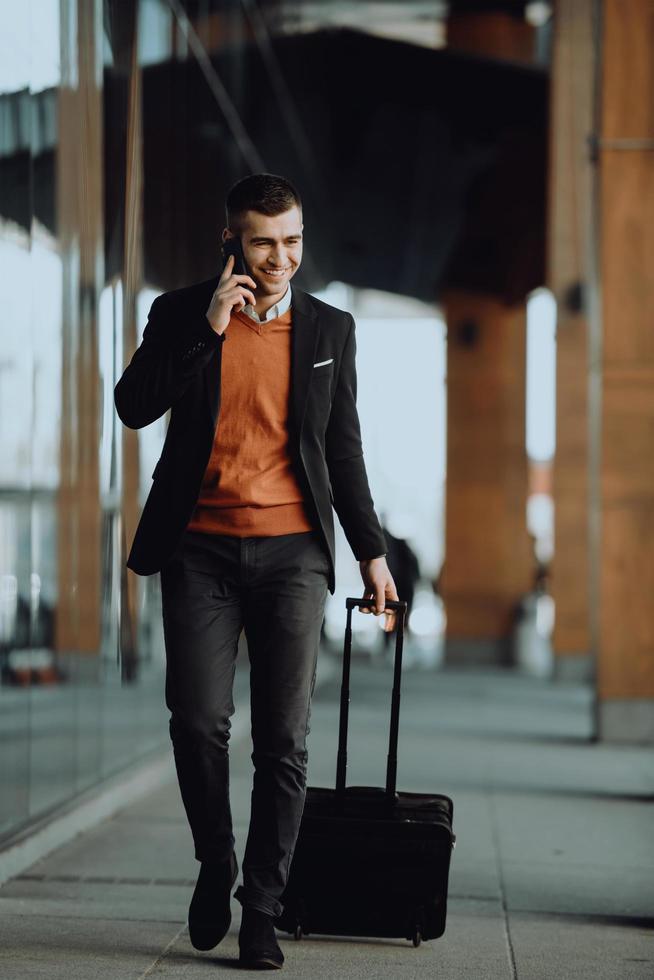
(80, 667)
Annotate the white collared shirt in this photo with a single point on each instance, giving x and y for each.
(274, 311)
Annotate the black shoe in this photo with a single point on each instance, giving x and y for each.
(257, 943)
(209, 914)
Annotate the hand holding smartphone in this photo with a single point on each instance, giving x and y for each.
(232, 292)
(232, 246)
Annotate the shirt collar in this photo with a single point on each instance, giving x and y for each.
(274, 311)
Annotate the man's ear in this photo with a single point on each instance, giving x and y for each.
(227, 234)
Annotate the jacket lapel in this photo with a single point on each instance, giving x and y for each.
(305, 331)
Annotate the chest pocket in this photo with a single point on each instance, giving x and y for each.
(322, 371)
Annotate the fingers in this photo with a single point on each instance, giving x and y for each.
(380, 601)
(227, 270)
(366, 609)
(243, 278)
(240, 295)
(379, 595)
(391, 614)
(227, 274)
(391, 620)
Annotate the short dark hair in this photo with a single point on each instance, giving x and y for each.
(265, 193)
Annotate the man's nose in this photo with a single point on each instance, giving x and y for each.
(278, 257)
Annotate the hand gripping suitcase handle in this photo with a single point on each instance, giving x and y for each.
(388, 604)
(391, 766)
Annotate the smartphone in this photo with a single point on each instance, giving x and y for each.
(232, 246)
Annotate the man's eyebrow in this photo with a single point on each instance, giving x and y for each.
(262, 238)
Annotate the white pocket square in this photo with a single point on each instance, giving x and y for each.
(320, 363)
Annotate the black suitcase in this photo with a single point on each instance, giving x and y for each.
(368, 861)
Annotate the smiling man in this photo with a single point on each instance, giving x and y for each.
(263, 441)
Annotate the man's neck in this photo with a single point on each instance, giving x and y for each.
(265, 303)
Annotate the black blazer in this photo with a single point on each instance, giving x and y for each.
(177, 366)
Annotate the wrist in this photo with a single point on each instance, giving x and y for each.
(215, 327)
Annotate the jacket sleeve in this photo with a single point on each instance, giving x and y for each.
(169, 356)
(353, 502)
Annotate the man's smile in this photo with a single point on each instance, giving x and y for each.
(276, 273)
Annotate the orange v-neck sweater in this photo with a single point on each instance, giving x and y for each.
(249, 488)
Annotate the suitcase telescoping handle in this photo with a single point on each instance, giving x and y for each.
(391, 766)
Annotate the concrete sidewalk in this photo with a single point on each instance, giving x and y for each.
(552, 876)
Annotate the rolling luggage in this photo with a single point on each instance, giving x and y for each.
(370, 861)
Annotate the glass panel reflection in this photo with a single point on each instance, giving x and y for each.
(81, 667)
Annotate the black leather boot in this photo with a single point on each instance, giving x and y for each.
(257, 943)
(209, 914)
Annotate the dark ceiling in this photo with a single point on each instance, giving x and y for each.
(419, 168)
(426, 168)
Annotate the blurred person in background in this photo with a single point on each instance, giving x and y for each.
(405, 569)
(263, 439)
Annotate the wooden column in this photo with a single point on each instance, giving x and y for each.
(569, 236)
(622, 377)
(132, 283)
(489, 561)
(81, 235)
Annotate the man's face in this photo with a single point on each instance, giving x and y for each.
(272, 246)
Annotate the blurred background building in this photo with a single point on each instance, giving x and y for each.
(478, 187)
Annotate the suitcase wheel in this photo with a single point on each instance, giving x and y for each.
(417, 936)
(297, 935)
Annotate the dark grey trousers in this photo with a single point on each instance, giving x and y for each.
(275, 588)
